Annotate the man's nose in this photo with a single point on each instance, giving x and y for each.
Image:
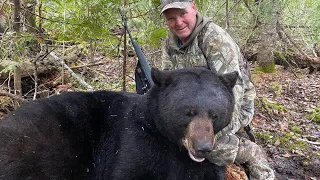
(179, 21)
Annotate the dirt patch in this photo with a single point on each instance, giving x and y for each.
(290, 138)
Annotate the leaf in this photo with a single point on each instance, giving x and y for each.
(284, 125)
(277, 143)
(255, 122)
(156, 35)
(287, 155)
(10, 68)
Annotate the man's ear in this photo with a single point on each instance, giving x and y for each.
(159, 77)
(229, 79)
(194, 7)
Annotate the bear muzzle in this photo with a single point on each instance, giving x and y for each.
(199, 138)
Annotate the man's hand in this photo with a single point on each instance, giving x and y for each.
(225, 150)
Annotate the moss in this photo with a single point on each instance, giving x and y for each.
(306, 163)
(265, 137)
(296, 129)
(277, 89)
(255, 75)
(268, 68)
(287, 140)
(272, 106)
(256, 71)
(314, 115)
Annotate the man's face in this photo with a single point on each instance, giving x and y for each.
(181, 22)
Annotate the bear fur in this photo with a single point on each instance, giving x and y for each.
(105, 135)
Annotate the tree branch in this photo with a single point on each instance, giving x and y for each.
(82, 82)
(12, 96)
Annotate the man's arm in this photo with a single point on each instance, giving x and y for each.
(166, 63)
(224, 55)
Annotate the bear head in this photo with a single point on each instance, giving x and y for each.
(191, 105)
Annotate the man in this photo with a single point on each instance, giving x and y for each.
(194, 40)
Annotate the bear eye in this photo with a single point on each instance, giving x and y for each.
(213, 115)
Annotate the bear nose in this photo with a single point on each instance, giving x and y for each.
(204, 148)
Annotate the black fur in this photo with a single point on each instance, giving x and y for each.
(114, 135)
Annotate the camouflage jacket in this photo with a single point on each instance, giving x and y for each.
(209, 45)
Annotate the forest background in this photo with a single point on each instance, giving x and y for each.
(47, 47)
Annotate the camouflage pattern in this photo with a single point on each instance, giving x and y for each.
(255, 160)
(180, 4)
(225, 150)
(209, 45)
(233, 149)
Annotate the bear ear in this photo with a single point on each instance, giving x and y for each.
(229, 79)
(159, 77)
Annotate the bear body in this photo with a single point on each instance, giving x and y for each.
(162, 135)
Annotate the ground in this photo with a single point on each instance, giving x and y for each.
(281, 124)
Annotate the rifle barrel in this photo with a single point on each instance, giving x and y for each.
(141, 57)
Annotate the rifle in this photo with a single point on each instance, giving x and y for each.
(142, 72)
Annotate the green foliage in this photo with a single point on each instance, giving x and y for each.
(314, 115)
(303, 13)
(14, 48)
(84, 20)
(10, 67)
(156, 36)
(145, 22)
(81, 20)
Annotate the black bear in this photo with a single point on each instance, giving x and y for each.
(164, 134)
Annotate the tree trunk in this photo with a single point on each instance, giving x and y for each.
(227, 15)
(268, 34)
(29, 15)
(16, 28)
(124, 65)
(2, 23)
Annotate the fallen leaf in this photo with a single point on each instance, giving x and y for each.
(277, 143)
(255, 122)
(287, 155)
(284, 125)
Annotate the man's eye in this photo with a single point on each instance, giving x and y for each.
(171, 19)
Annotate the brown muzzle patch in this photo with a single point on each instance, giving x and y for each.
(199, 138)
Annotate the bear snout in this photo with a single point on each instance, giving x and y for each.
(199, 138)
(203, 148)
